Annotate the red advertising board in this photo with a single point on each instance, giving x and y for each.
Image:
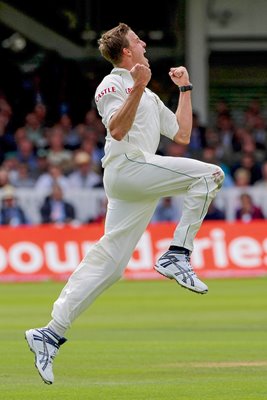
(221, 249)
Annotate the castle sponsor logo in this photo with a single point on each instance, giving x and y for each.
(103, 92)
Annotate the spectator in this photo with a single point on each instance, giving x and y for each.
(212, 139)
(94, 128)
(247, 210)
(239, 134)
(93, 121)
(248, 147)
(262, 183)
(84, 176)
(225, 127)
(53, 176)
(222, 107)
(7, 142)
(34, 130)
(21, 178)
(165, 211)
(242, 177)
(55, 209)
(72, 139)
(88, 145)
(197, 141)
(249, 163)
(259, 132)
(57, 154)
(42, 164)
(26, 153)
(253, 110)
(5, 107)
(40, 111)
(98, 152)
(20, 134)
(214, 213)
(4, 178)
(11, 213)
(10, 164)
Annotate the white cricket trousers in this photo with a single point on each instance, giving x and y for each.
(134, 183)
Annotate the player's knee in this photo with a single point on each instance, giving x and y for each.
(218, 176)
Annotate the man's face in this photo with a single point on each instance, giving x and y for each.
(9, 202)
(137, 48)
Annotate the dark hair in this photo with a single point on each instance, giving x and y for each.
(113, 42)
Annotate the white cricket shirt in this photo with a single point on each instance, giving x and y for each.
(152, 118)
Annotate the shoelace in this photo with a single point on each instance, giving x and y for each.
(186, 259)
(51, 357)
(190, 269)
(55, 351)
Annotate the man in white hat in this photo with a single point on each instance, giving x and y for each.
(84, 176)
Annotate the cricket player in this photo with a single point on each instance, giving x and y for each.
(135, 179)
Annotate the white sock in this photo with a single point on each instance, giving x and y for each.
(56, 327)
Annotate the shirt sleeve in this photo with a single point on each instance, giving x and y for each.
(109, 96)
(168, 121)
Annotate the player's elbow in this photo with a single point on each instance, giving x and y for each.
(182, 137)
(184, 140)
(116, 130)
(117, 134)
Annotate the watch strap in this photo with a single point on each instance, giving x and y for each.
(185, 88)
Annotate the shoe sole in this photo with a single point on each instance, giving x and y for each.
(31, 347)
(182, 284)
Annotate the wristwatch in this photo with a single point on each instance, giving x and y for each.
(185, 88)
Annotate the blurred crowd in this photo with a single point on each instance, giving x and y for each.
(63, 155)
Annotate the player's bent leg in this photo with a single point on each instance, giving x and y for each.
(199, 182)
(153, 176)
(196, 203)
(173, 264)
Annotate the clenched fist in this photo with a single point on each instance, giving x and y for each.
(141, 74)
(179, 76)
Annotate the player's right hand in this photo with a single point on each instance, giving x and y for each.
(141, 74)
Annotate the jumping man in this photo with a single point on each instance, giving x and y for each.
(135, 179)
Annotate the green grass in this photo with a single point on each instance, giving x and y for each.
(142, 341)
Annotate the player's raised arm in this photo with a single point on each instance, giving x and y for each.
(183, 113)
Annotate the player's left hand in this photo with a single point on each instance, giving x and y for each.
(179, 76)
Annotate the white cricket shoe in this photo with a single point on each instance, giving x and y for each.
(45, 344)
(177, 266)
